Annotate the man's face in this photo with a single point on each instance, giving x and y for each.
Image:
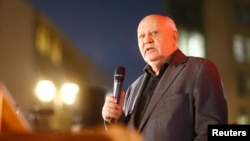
(155, 39)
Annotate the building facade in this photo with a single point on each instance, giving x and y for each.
(32, 49)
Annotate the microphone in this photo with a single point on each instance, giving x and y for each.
(118, 82)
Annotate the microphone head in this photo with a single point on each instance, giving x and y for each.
(119, 74)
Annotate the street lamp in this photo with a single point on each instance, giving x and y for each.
(45, 90)
(68, 93)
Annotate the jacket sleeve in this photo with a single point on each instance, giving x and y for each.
(210, 102)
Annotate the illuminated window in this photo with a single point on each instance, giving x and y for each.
(42, 40)
(48, 45)
(243, 117)
(192, 43)
(183, 41)
(238, 48)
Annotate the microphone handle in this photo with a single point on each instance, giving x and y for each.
(116, 94)
(117, 90)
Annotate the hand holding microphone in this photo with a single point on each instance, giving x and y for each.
(112, 108)
(118, 82)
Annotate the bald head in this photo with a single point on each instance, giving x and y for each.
(160, 19)
(157, 39)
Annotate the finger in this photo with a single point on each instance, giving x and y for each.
(110, 98)
(110, 109)
(114, 112)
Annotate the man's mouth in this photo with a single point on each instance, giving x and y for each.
(149, 49)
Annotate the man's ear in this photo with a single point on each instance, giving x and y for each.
(175, 36)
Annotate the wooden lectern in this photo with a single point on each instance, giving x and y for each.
(11, 120)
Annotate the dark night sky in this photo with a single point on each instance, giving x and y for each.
(104, 30)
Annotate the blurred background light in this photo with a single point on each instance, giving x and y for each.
(68, 92)
(45, 90)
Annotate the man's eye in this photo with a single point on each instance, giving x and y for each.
(141, 36)
(154, 32)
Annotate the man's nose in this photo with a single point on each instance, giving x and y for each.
(148, 39)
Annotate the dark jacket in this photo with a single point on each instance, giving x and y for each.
(189, 96)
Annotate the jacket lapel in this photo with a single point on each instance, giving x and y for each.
(137, 92)
(168, 77)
